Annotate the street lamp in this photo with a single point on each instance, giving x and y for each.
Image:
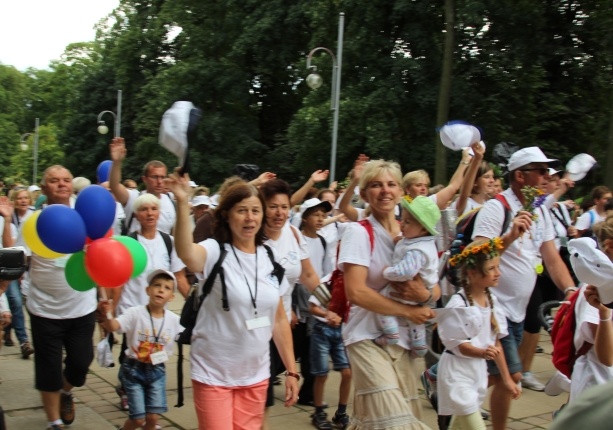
(24, 147)
(102, 127)
(314, 81)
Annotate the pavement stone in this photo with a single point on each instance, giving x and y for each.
(97, 404)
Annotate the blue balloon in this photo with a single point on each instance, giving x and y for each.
(96, 206)
(61, 229)
(104, 171)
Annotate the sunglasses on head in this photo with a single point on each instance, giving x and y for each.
(541, 170)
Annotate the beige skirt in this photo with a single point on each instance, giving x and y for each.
(385, 388)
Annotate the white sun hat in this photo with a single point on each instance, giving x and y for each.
(457, 135)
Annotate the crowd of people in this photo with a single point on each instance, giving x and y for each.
(270, 253)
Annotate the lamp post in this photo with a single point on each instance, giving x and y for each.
(314, 80)
(102, 127)
(24, 147)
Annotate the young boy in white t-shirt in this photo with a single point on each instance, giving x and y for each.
(415, 253)
(151, 331)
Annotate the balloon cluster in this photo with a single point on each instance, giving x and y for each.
(85, 232)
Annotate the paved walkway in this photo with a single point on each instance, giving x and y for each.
(97, 404)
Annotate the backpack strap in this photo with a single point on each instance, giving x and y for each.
(507, 212)
(323, 242)
(165, 237)
(278, 270)
(206, 289)
(371, 233)
(591, 217)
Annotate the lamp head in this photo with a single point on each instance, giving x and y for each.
(314, 80)
(102, 128)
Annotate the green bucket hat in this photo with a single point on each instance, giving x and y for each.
(423, 210)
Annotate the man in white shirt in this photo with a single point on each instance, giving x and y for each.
(153, 177)
(523, 241)
(60, 318)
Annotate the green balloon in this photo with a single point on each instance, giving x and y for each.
(75, 272)
(137, 251)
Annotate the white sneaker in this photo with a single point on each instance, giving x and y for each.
(530, 382)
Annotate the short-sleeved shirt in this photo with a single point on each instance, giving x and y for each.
(588, 219)
(518, 263)
(168, 213)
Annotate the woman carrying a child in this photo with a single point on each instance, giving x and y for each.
(385, 388)
(471, 336)
(230, 361)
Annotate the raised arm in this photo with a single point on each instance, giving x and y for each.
(6, 211)
(469, 177)
(345, 204)
(118, 154)
(299, 195)
(447, 193)
(192, 254)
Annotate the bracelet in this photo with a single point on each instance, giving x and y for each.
(570, 289)
(606, 319)
(427, 301)
(293, 375)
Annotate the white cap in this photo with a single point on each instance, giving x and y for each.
(33, 188)
(153, 274)
(553, 171)
(525, 156)
(214, 200)
(192, 184)
(173, 129)
(201, 200)
(592, 266)
(457, 135)
(311, 203)
(578, 166)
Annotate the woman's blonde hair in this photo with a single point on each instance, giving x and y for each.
(603, 230)
(414, 177)
(145, 199)
(376, 168)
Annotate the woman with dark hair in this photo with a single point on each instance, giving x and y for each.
(478, 184)
(292, 250)
(230, 362)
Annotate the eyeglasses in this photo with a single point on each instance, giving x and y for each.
(541, 170)
(157, 177)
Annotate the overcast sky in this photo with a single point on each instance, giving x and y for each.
(34, 32)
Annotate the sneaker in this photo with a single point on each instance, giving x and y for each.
(320, 421)
(67, 411)
(123, 399)
(26, 350)
(484, 414)
(429, 389)
(530, 382)
(341, 421)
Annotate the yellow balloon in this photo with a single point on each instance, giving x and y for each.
(30, 235)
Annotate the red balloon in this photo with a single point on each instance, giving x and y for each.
(108, 262)
(109, 233)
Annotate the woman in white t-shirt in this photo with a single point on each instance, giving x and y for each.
(230, 364)
(385, 388)
(293, 254)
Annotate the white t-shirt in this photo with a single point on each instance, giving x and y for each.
(168, 213)
(320, 258)
(50, 296)
(224, 352)
(588, 371)
(290, 253)
(518, 263)
(585, 220)
(355, 249)
(4, 305)
(136, 322)
(133, 292)
(470, 205)
(559, 212)
(14, 232)
(19, 220)
(120, 218)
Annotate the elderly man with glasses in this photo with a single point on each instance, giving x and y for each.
(528, 244)
(153, 177)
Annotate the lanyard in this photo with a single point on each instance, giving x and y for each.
(254, 298)
(153, 327)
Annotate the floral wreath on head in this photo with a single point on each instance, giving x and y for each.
(490, 248)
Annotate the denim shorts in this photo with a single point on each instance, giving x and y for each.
(327, 341)
(145, 386)
(510, 345)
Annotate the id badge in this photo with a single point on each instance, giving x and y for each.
(158, 357)
(260, 322)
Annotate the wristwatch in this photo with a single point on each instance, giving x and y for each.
(295, 375)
